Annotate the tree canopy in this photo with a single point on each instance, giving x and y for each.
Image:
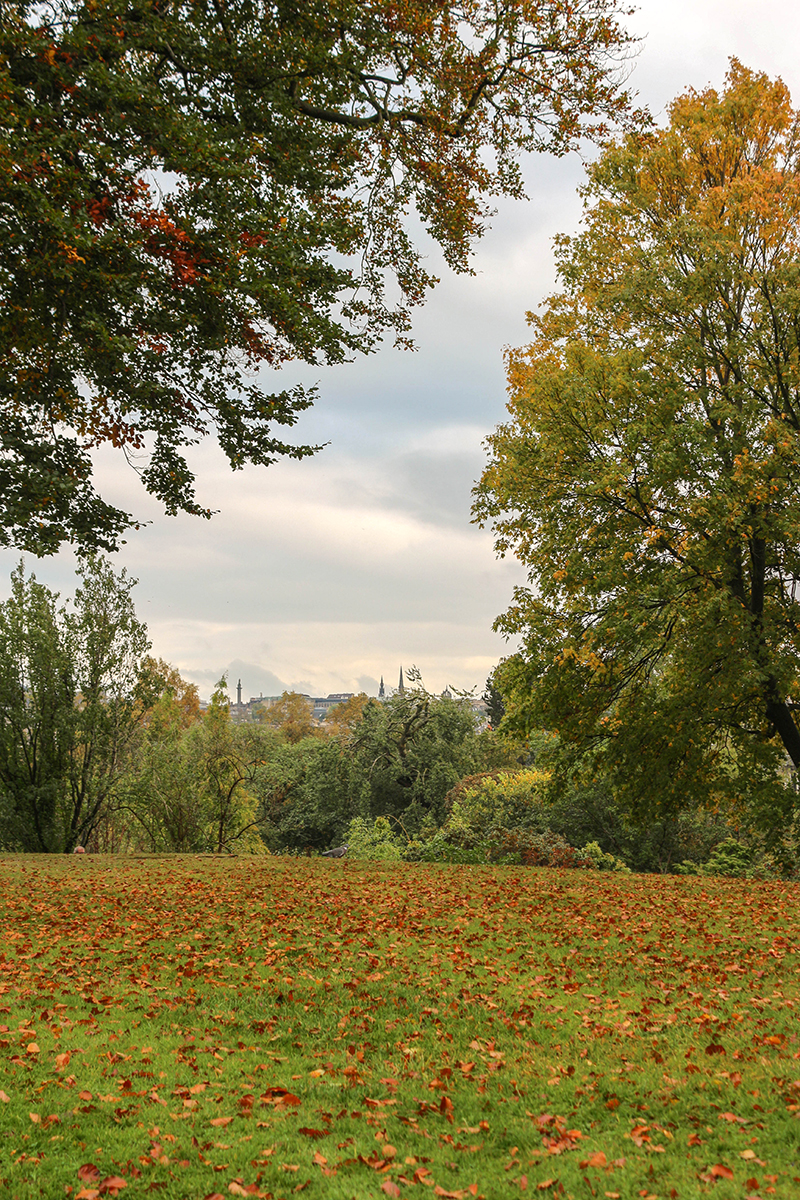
(193, 189)
(648, 476)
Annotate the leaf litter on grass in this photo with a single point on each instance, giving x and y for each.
(191, 1027)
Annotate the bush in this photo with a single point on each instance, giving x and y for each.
(498, 799)
(730, 858)
(373, 841)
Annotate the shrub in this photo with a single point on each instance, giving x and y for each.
(373, 841)
(498, 799)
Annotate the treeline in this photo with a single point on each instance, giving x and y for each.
(104, 747)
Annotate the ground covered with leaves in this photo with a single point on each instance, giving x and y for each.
(199, 1027)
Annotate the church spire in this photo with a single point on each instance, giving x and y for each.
(239, 694)
(401, 687)
(381, 691)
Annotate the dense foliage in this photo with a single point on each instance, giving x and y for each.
(648, 475)
(189, 190)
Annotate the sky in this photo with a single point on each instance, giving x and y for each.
(325, 574)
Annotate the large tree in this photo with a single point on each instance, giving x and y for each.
(74, 690)
(190, 189)
(649, 476)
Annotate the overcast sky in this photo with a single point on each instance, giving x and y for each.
(325, 574)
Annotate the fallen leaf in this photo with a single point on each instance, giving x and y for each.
(721, 1171)
(220, 1121)
(111, 1185)
(390, 1188)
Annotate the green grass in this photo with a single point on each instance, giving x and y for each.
(191, 1027)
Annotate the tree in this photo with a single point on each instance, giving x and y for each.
(226, 758)
(181, 703)
(192, 188)
(292, 715)
(648, 476)
(344, 717)
(72, 699)
(493, 700)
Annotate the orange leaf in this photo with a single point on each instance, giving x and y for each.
(111, 1185)
(721, 1171)
(545, 1184)
(31, 1048)
(4, 1098)
(390, 1188)
(221, 1121)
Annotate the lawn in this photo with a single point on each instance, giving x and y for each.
(196, 1026)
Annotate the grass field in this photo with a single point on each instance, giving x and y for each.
(195, 1027)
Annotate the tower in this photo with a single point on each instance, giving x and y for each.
(381, 691)
(239, 693)
(401, 687)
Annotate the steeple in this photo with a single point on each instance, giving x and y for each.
(239, 693)
(401, 687)
(381, 691)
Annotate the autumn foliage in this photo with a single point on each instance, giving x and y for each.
(648, 474)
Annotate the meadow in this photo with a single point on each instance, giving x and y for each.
(205, 1027)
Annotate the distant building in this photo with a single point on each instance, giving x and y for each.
(323, 704)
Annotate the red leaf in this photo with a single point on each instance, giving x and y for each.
(88, 1173)
(721, 1171)
(390, 1188)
